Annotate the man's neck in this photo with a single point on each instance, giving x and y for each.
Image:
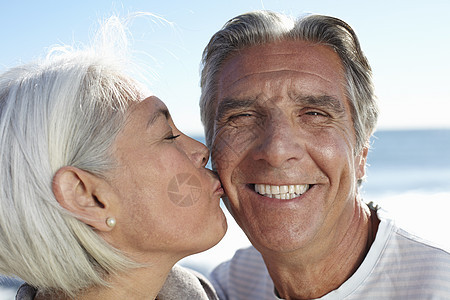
(311, 273)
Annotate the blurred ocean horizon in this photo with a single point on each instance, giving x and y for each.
(408, 175)
(408, 160)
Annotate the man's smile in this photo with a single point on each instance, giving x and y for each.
(281, 191)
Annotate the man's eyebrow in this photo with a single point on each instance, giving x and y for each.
(324, 101)
(160, 112)
(230, 104)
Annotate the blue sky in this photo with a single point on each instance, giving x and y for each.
(407, 43)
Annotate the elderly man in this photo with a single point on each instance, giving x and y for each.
(288, 109)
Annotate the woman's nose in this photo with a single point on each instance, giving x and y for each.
(198, 153)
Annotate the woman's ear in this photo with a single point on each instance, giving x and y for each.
(85, 195)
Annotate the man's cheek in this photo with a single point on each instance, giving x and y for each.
(220, 155)
(235, 141)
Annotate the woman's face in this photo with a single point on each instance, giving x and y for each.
(168, 202)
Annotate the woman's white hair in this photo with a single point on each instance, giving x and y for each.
(64, 110)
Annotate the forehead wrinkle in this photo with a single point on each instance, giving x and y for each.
(281, 71)
(233, 76)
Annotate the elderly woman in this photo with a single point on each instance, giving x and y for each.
(100, 193)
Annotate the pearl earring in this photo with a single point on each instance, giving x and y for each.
(111, 222)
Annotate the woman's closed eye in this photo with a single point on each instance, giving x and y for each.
(171, 136)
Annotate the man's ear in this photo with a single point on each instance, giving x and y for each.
(83, 194)
(362, 157)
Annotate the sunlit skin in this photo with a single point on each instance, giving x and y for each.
(283, 119)
(150, 151)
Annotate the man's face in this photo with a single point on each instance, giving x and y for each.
(284, 145)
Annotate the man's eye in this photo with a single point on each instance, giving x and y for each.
(314, 117)
(316, 113)
(234, 117)
(241, 119)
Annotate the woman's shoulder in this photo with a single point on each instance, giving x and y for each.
(184, 283)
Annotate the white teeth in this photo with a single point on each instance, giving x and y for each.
(300, 189)
(284, 189)
(292, 189)
(281, 191)
(275, 189)
(260, 188)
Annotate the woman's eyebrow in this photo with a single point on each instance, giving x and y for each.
(161, 112)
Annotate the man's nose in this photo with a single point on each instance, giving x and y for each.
(280, 143)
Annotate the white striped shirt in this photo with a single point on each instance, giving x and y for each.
(399, 265)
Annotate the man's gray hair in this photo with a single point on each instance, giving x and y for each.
(65, 110)
(262, 27)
